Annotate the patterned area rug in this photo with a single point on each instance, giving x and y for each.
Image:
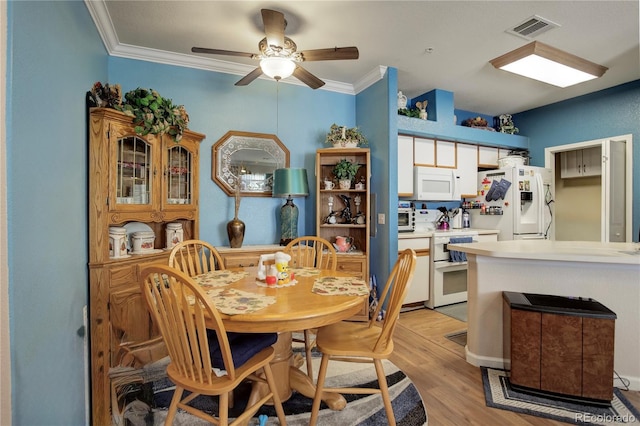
(361, 410)
(499, 394)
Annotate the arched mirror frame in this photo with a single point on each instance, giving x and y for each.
(230, 144)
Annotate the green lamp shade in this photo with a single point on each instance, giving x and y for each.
(289, 183)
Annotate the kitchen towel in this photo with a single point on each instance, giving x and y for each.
(458, 256)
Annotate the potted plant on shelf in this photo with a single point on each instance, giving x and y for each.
(344, 137)
(154, 114)
(345, 171)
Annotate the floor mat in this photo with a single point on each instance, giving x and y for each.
(457, 311)
(499, 394)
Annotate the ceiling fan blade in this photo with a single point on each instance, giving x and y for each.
(332, 53)
(274, 24)
(307, 78)
(249, 77)
(221, 52)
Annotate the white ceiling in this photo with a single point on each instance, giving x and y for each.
(463, 35)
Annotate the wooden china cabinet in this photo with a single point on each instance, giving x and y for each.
(146, 181)
(355, 262)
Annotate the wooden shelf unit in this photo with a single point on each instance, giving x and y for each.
(166, 173)
(356, 262)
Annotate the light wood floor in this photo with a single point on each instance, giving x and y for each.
(450, 387)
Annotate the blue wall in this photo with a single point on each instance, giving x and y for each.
(376, 116)
(603, 114)
(298, 115)
(55, 55)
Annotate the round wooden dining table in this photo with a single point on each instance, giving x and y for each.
(296, 308)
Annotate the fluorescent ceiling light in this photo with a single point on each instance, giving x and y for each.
(549, 65)
(277, 67)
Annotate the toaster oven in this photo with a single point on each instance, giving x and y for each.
(406, 217)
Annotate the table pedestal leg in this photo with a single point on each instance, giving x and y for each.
(304, 385)
(288, 378)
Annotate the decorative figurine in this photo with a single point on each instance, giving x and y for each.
(331, 218)
(357, 200)
(346, 212)
(422, 106)
(505, 124)
(360, 218)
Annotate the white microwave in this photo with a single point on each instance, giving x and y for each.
(435, 184)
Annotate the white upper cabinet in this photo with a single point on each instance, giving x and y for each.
(581, 162)
(405, 166)
(446, 154)
(424, 151)
(467, 169)
(488, 156)
(433, 153)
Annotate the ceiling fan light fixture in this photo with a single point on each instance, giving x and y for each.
(545, 63)
(277, 67)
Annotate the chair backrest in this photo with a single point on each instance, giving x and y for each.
(195, 257)
(313, 252)
(394, 293)
(179, 307)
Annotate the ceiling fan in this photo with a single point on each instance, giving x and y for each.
(279, 57)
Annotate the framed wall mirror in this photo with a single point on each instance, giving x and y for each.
(247, 159)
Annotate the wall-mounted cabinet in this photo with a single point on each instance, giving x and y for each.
(437, 153)
(434, 153)
(446, 154)
(424, 152)
(467, 170)
(581, 162)
(405, 166)
(488, 156)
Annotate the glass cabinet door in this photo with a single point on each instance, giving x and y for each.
(179, 175)
(133, 171)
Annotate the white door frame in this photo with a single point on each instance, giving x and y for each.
(550, 163)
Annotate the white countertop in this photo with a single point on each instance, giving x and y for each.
(429, 234)
(572, 251)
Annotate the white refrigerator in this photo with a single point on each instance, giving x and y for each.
(516, 200)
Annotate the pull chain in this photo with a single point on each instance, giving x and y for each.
(278, 107)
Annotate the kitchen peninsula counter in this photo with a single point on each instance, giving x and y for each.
(606, 272)
(429, 233)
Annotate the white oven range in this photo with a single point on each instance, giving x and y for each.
(448, 278)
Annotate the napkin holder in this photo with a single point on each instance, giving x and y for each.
(274, 265)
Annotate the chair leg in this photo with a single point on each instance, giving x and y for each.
(315, 408)
(173, 407)
(223, 409)
(307, 349)
(384, 391)
(277, 404)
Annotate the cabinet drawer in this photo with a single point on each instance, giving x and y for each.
(354, 267)
(241, 261)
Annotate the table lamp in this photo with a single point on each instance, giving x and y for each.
(289, 183)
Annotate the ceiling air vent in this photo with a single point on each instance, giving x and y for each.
(532, 27)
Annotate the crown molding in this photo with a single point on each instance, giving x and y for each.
(104, 25)
(370, 78)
